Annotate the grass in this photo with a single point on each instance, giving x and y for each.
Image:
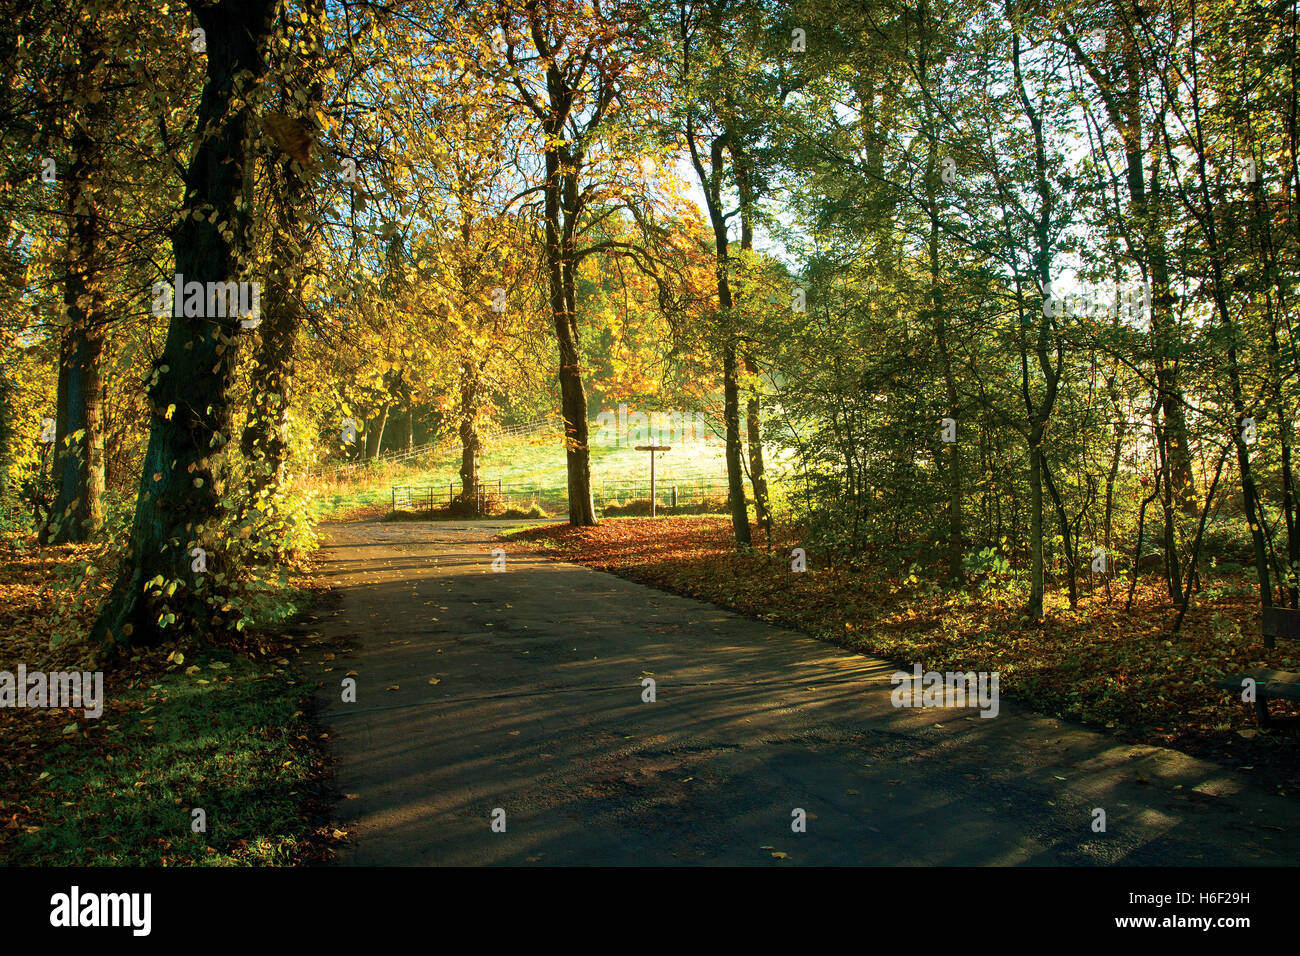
(229, 741)
(224, 729)
(531, 470)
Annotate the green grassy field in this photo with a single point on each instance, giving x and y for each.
(532, 470)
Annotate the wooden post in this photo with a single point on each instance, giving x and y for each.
(674, 497)
(652, 449)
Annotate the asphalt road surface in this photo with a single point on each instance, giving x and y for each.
(518, 694)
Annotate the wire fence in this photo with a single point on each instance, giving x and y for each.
(496, 495)
(544, 491)
(443, 443)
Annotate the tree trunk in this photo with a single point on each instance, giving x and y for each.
(79, 418)
(753, 402)
(1169, 506)
(178, 507)
(1067, 543)
(731, 398)
(561, 191)
(1039, 413)
(754, 437)
(78, 508)
(375, 433)
(470, 443)
(731, 415)
(711, 182)
(1111, 475)
(1171, 394)
(1035, 608)
(1249, 493)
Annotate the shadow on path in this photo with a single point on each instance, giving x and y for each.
(536, 708)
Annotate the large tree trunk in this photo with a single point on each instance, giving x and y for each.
(178, 507)
(78, 508)
(561, 186)
(79, 440)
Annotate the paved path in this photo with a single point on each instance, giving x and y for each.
(538, 710)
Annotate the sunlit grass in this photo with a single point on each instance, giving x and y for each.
(528, 469)
(222, 741)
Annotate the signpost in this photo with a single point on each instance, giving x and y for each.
(652, 449)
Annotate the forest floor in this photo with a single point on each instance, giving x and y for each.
(1117, 670)
(223, 729)
(520, 698)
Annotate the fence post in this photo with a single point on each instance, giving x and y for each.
(449, 497)
(674, 496)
